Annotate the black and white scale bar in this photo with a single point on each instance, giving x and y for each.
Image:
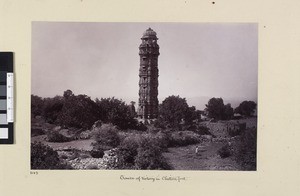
(6, 98)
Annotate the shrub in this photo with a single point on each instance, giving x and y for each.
(44, 157)
(246, 149)
(162, 139)
(183, 138)
(108, 136)
(159, 123)
(37, 131)
(152, 129)
(237, 129)
(200, 129)
(224, 152)
(97, 153)
(141, 127)
(149, 156)
(127, 152)
(54, 136)
(233, 132)
(142, 152)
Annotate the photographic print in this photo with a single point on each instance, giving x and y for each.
(144, 96)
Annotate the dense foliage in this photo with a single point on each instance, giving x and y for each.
(246, 149)
(52, 108)
(37, 104)
(44, 157)
(80, 111)
(216, 109)
(108, 136)
(224, 152)
(149, 156)
(117, 112)
(141, 152)
(175, 111)
(246, 108)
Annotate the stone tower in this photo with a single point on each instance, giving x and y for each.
(148, 73)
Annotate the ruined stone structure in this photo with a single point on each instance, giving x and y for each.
(148, 73)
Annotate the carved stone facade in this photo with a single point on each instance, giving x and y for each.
(148, 73)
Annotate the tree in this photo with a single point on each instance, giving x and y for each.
(78, 111)
(52, 108)
(36, 105)
(246, 108)
(228, 112)
(68, 93)
(191, 115)
(215, 108)
(174, 109)
(117, 112)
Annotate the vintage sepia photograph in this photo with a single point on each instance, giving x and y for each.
(144, 96)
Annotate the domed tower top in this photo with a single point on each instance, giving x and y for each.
(149, 33)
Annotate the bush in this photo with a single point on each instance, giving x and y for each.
(127, 152)
(246, 150)
(149, 156)
(97, 153)
(162, 139)
(54, 136)
(183, 138)
(237, 129)
(141, 127)
(224, 152)
(233, 132)
(159, 123)
(37, 131)
(44, 157)
(200, 129)
(108, 136)
(141, 152)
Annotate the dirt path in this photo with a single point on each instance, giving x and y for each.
(85, 145)
(185, 158)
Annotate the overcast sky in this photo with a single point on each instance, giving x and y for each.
(197, 60)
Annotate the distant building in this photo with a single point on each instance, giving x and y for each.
(148, 73)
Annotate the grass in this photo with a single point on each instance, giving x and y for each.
(185, 158)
